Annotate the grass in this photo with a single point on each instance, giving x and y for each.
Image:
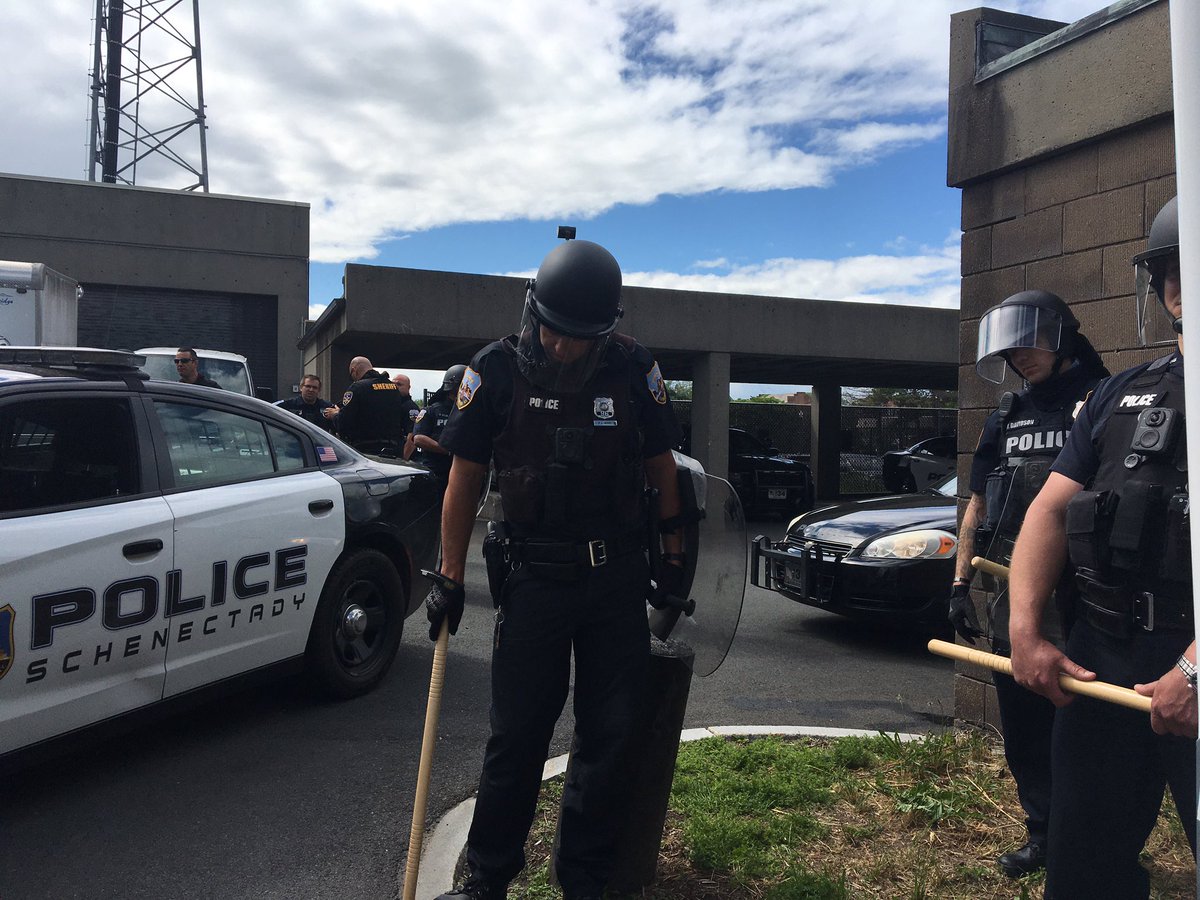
(820, 819)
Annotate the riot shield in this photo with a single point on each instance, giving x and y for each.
(715, 571)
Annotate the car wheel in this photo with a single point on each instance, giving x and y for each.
(357, 626)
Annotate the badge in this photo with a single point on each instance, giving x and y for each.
(8, 617)
(604, 409)
(346, 398)
(466, 391)
(658, 387)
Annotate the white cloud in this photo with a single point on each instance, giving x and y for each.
(395, 117)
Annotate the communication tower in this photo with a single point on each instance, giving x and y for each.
(144, 120)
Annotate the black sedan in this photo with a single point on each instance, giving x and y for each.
(888, 559)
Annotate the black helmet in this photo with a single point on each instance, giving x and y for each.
(1028, 319)
(577, 295)
(1162, 246)
(453, 378)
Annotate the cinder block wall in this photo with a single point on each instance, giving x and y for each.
(1066, 219)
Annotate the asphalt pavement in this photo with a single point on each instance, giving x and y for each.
(267, 793)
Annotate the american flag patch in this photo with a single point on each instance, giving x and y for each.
(326, 454)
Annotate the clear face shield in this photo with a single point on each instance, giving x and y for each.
(1005, 328)
(555, 361)
(1156, 326)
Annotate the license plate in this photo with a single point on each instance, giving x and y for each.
(776, 493)
(793, 574)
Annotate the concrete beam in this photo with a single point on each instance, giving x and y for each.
(825, 458)
(710, 413)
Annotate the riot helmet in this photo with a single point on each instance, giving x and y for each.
(571, 311)
(1037, 320)
(1150, 266)
(452, 379)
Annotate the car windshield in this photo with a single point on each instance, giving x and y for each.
(947, 487)
(228, 373)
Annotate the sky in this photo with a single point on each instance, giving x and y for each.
(792, 148)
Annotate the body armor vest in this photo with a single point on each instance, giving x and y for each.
(1130, 527)
(570, 465)
(1030, 440)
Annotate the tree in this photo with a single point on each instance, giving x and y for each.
(679, 390)
(903, 397)
(760, 398)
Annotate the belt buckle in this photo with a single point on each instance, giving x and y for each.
(597, 553)
(1143, 610)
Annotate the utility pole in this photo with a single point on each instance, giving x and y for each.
(144, 110)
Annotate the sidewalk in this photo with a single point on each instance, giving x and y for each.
(444, 844)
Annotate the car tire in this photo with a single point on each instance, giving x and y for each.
(357, 626)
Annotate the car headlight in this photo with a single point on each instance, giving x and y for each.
(928, 543)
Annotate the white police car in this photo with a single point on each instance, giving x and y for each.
(156, 538)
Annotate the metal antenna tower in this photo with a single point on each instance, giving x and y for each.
(142, 115)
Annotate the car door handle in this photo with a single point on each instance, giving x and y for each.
(142, 548)
(320, 506)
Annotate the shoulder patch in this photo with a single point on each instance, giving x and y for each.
(656, 385)
(420, 415)
(1079, 405)
(466, 391)
(347, 397)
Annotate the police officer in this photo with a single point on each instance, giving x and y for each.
(1035, 334)
(309, 405)
(404, 384)
(578, 422)
(1116, 501)
(187, 367)
(431, 421)
(373, 416)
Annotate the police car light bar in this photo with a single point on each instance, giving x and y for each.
(77, 357)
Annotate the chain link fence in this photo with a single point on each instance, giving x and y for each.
(867, 432)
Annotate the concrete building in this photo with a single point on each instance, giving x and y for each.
(411, 318)
(161, 267)
(1062, 140)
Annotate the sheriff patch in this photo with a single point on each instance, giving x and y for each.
(8, 617)
(346, 398)
(658, 387)
(603, 409)
(466, 391)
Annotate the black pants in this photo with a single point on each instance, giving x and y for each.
(1110, 770)
(601, 616)
(1028, 722)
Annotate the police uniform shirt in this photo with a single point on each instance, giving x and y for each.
(1062, 392)
(204, 381)
(411, 413)
(310, 412)
(431, 422)
(485, 397)
(373, 409)
(1079, 459)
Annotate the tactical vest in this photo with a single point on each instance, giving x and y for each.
(570, 465)
(1130, 528)
(1030, 441)
(438, 463)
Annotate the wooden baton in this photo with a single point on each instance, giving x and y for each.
(1098, 690)
(992, 568)
(433, 709)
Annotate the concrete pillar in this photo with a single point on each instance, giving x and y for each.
(710, 413)
(826, 441)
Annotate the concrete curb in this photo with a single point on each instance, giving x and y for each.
(441, 851)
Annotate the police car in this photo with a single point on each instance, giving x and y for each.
(157, 538)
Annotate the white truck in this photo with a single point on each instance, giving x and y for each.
(229, 370)
(38, 306)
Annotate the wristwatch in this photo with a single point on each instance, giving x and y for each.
(1188, 668)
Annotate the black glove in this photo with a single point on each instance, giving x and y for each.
(962, 613)
(445, 601)
(667, 584)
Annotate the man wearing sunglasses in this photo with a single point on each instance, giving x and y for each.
(187, 366)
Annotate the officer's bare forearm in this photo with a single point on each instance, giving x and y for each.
(458, 515)
(966, 538)
(1039, 556)
(661, 475)
(425, 442)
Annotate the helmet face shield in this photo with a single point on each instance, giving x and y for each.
(1014, 327)
(1155, 323)
(555, 361)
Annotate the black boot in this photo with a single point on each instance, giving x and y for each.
(476, 889)
(1022, 862)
